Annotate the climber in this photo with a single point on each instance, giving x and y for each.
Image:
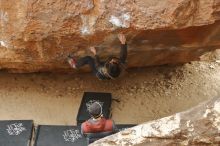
(97, 126)
(107, 70)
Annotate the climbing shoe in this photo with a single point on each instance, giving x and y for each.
(72, 61)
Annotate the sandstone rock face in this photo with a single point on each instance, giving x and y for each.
(37, 35)
(197, 126)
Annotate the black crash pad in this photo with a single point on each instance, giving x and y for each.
(105, 99)
(122, 127)
(59, 136)
(16, 132)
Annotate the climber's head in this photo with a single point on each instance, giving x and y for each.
(113, 68)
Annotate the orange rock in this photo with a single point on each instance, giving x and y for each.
(37, 35)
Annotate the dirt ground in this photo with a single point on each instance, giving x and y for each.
(139, 96)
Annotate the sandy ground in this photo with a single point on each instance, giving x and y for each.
(140, 95)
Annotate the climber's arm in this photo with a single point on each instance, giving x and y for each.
(123, 52)
(97, 60)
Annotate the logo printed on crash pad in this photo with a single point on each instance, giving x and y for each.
(15, 129)
(90, 102)
(71, 135)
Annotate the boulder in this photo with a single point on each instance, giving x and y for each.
(199, 126)
(37, 35)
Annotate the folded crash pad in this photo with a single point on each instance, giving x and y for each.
(16, 132)
(105, 99)
(59, 136)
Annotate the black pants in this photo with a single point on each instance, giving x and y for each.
(87, 60)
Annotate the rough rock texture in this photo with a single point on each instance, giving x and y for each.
(197, 126)
(37, 35)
